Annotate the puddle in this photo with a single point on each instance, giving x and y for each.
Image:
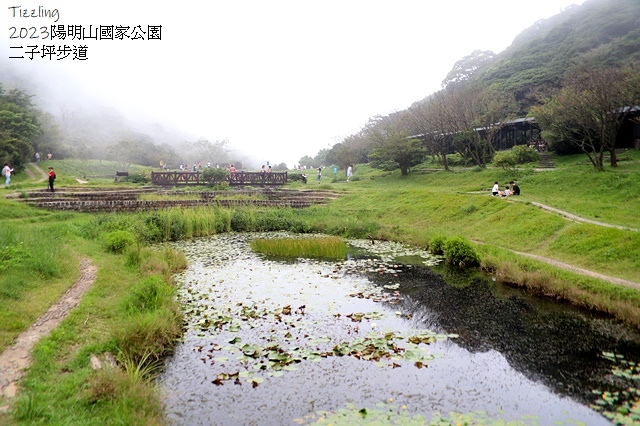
(273, 342)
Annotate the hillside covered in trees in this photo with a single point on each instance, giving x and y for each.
(485, 90)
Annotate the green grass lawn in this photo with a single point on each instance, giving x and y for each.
(41, 251)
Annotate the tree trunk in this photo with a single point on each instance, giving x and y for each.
(614, 158)
(445, 162)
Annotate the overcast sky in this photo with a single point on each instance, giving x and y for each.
(278, 79)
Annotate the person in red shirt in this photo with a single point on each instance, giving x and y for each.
(52, 178)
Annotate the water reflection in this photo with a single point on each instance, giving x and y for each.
(553, 343)
(514, 356)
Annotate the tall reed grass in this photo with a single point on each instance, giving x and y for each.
(313, 247)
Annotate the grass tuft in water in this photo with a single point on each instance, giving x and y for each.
(317, 247)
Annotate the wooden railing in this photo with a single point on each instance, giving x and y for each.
(236, 178)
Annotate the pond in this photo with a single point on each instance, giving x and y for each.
(276, 342)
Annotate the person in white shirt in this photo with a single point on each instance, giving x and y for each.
(496, 189)
(6, 172)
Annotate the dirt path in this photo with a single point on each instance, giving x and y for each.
(15, 359)
(581, 219)
(575, 269)
(43, 175)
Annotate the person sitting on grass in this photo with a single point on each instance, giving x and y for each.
(496, 189)
(506, 192)
(515, 188)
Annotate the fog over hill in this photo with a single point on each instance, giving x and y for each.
(279, 81)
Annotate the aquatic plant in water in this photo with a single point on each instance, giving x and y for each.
(318, 247)
(621, 407)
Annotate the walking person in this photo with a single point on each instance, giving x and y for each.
(349, 172)
(6, 172)
(319, 176)
(52, 178)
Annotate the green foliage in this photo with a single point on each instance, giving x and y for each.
(149, 336)
(19, 127)
(505, 159)
(621, 407)
(459, 252)
(12, 256)
(313, 247)
(296, 177)
(524, 154)
(215, 176)
(117, 241)
(148, 295)
(138, 178)
(519, 154)
(539, 57)
(405, 153)
(437, 243)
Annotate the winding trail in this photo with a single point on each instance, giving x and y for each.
(43, 175)
(14, 360)
(581, 219)
(553, 262)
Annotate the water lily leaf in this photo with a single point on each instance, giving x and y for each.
(290, 368)
(413, 355)
(221, 359)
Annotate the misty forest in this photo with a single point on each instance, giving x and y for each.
(483, 90)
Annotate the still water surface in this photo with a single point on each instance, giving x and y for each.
(511, 356)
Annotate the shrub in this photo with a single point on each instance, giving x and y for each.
(215, 176)
(436, 245)
(117, 241)
(525, 154)
(138, 178)
(459, 252)
(295, 177)
(148, 295)
(505, 159)
(149, 336)
(387, 166)
(519, 154)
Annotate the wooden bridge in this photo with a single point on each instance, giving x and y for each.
(235, 179)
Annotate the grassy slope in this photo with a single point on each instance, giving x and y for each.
(386, 205)
(420, 206)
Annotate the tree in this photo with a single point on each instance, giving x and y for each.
(216, 151)
(428, 118)
(19, 127)
(473, 115)
(353, 150)
(590, 108)
(405, 152)
(282, 167)
(307, 162)
(125, 152)
(389, 136)
(467, 66)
